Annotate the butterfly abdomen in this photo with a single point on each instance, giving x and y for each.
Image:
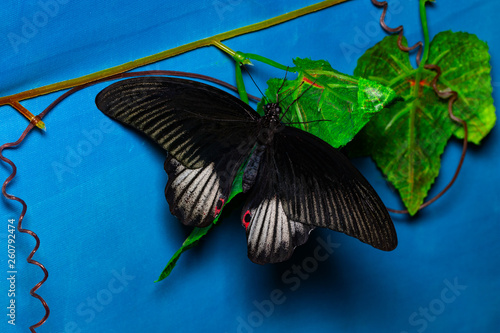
(252, 167)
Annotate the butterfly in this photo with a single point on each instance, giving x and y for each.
(294, 180)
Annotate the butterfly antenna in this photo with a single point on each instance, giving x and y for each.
(295, 100)
(279, 89)
(291, 92)
(263, 96)
(307, 122)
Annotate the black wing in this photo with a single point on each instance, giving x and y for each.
(302, 180)
(196, 123)
(207, 132)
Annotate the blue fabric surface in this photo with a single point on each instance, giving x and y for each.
(105, 228)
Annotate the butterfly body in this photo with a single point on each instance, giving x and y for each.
(252, 167)
(270, 123)
(294, 181)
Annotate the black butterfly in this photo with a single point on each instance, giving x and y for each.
(296, 181)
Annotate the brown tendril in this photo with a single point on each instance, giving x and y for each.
(449, 94)
(19, 225)
(399, 29)
(32, 125)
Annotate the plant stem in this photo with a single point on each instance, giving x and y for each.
(423, 60)
(423, 20)
(266, 61)
(240, 83)
(244, 59)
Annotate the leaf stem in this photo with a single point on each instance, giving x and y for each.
(266, 61)
(425, 28)
(242, 58)
(240, 83)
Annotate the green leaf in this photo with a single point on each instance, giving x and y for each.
(407, 140)
(198, 233)
(189, 243)
(329, 104)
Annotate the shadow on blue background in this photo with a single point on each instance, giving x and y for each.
(105, 227)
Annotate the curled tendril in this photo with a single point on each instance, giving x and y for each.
(19, 225)
(449, 94)
(399, 29)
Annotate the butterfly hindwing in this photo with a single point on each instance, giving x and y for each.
(196, 123)
(302, 180)
(196, 196)
(271, 235)
(207, 132)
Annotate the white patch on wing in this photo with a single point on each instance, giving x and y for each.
(271, 236)
(193, 193)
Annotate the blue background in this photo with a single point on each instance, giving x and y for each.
(107, 216)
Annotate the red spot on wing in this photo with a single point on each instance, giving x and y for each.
(246, 219)
(305, 79)
(218, 206)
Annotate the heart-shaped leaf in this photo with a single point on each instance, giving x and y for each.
(407, 141)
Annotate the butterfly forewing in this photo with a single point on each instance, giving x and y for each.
(317, 185)
(196, 123)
